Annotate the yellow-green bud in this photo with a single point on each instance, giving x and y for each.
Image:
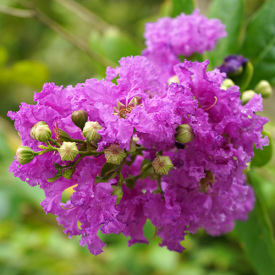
(184, 133)
(90, 131)
(247, 95)
(133, 146)
(79, 118)
(68, 151)
(41, 132)
(264, 88)
(25, 154)
(227, 83)
(114, 154)
(173, 79)
(162, 165)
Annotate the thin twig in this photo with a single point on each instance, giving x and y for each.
(77, 42)
(16, 12)
(85, 14)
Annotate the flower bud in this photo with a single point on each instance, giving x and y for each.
(162, 165)
(247, 95)
(68, 173)
(68, 151)
(90, 131)
(264, 88)
(79, 118)
(247, 169)
(114, 154)
(173, 79)
(227, 83)
(184, 133)
(41, 132)
(133, 146)
(25, 154)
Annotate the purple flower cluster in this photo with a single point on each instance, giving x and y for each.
(137, 118)
(168, 38)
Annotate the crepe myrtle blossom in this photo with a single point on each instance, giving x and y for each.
(139, 150)
(169, 38)
(233, 65)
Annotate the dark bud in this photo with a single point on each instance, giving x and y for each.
(79, 118)
(233, 65)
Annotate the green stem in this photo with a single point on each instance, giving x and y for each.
(55, 142)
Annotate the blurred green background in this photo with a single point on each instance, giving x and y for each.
(66, 43)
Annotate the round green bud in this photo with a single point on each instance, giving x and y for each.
(68, 151)
(227, 83)
(247, 95)
(114, 154)
(184, 133)
(173, 79)
(264, 88)
(41, 132)
(25, 154)
(162, 165)
(79, 118)
(90, 131)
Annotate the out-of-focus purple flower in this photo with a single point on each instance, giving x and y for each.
(168, 38)
(233, 65)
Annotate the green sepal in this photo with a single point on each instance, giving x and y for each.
(117, 192)
(106, 178)
(107, 167)
(262, 157)
(56, 177)
(68, 173)
(244, 79)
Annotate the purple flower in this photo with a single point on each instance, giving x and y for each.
(168, 38)
(233, 65)
(206, 187)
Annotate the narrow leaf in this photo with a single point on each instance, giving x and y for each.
(262, 157)
(259, 44)
(256, 234)
(244, 79)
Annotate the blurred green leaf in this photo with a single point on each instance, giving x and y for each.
(186, 6)
(259, 44)
(231, 14)
(244, 79)
(114, 44)
(29, 72)
(262, 157)
(3, 56)
(256, 234)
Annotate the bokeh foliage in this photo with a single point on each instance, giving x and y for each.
(32, 53)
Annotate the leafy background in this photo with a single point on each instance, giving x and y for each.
(66, 42)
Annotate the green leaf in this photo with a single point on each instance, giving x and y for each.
(231, 13)
(186, 6)
(256, 234)
(262, 157)
(244, 79)
(259, 44)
